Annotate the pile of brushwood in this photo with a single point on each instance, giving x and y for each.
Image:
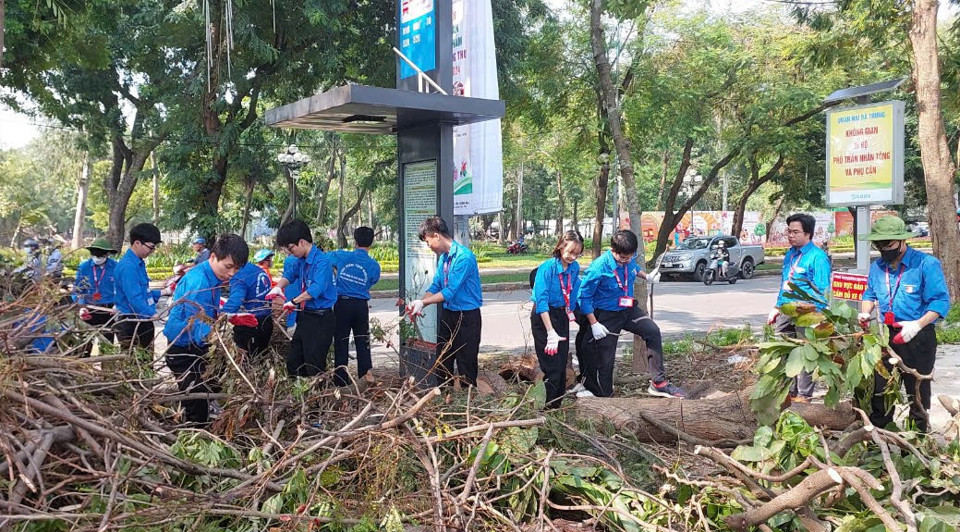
(95, 443)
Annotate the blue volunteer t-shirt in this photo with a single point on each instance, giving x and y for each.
(314, 274)
(806, 267)
(196, 303)
(458, 279)
(95, 285)
(605, 282)
(134, 296)
(248, 292)
(357, 272)
(553, 282)
(916, 286)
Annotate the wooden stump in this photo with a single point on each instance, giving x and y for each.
(525, 367)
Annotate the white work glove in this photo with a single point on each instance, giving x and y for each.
(166, 291)
(908, 330)
(416, 308)
(275, 293)
(772, 317)
(553, 341)
(864, 318)
(84, 313)
(599, 331)
(654, 276)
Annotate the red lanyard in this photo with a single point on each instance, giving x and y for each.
(569, 288)
(623, 285)
(896, 289)
(446, 270)
(794, 267)
(96, 282)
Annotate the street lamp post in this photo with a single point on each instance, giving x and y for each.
(691, 181)
(292, 160)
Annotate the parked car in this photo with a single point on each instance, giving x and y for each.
(921, 229)
(691, 257)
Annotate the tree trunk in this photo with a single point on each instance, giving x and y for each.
(342, 224)
(247, 203)
(156, 189)
(755, 182)
(291, 212)
(602, 184)
(609, 95)
(776, 212)
(83, 187)
(663, 178)
(122, 181)
(938, 166)
(560, 203)
(2, 25)
(718, 418)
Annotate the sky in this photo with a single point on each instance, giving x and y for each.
(17, 130)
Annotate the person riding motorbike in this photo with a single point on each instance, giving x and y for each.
(723, 256)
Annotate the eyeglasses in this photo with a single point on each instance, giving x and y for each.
(795, 231)
(289, 247)
(881, 245)
(149, 245)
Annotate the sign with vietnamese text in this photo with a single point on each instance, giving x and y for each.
(418, 36)
(865, 154)
(848, 286)
(420, 262)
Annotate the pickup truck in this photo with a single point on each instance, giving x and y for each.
(691, 257)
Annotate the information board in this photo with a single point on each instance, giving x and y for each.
(865, 154)
(420, 262)
(418, 36)
(849, 286)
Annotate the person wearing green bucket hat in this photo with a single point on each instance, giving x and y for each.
(94, 286)
(908, 290)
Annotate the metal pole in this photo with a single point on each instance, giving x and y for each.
(520, 226)
(862, 245)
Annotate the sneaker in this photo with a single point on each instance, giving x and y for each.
(585, 392)
(214, 410)
(665, 389)
(577, 388)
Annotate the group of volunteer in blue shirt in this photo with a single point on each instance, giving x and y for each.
(906, 289)
(906, 294)
(118, 293)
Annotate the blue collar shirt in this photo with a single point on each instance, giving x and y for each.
(552, 281)
(313, 274)
(605, 282)
(458, 279)
(248, 292)
(917, 285)
(806, 267)
(195, 307)
(134, 297)
(95, 285)
(357, 272)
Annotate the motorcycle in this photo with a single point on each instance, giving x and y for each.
(517, 248)
(712, 272)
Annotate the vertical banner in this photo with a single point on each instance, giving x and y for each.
(420, 263)
(418, 36)
(865, 154)
(477, 148)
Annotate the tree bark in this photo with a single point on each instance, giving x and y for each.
(83, 187)
(560, 202)
(609, 97)
(938, 166)
(602, 185)
(755, 182)
(727, 417)
(342, 224)
(291, 212)
(119, 185)
(251, 183)
(2, 26)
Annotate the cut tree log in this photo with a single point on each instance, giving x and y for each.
(726, 418)
(525, 367)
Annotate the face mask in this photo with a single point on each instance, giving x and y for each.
(890, 255)
(99, 261)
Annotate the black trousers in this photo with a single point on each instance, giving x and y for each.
(311, 343)
(254, 340)
(352, 315)
(554, 367)
(188, 363)
(919, 354)
(101, 319)
(458, 344)
(597, 358)
(133, 333)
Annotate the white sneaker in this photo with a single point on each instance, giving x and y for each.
(585, 393)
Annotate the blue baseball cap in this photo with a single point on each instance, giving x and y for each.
(263, 255)
(199, 240)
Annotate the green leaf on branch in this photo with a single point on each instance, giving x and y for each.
(795, 361)
(810, 319)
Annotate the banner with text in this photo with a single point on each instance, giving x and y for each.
(849, 286)
(418, 36)
(477, 148)
(865, 154)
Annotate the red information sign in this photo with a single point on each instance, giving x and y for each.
(848, 286)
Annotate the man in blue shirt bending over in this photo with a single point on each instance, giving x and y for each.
(248, 295)
(357, 272)
(608, 307)
(313, 277)
(909, 291)
(457, 286)
(196, 305)
(808, 267)
(136, 302)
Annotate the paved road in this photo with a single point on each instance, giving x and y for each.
(678, 307)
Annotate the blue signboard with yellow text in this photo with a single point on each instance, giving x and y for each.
(418, 36)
